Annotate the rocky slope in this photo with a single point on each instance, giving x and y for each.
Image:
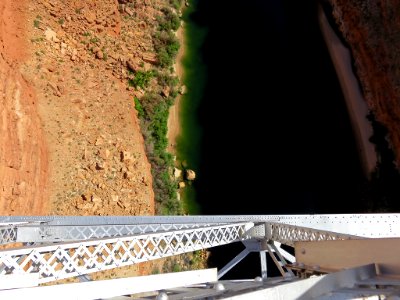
(371, 28)
(70, 140)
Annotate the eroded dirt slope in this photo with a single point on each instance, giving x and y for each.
(70, 140)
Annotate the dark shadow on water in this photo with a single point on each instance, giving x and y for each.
(276, 133)
(276, 136)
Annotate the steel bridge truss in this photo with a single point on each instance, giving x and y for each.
(62, 247)
(63, 260)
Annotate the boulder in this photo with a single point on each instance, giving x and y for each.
(183, 90)
(177, 173)
(181, 184)
(190, 175)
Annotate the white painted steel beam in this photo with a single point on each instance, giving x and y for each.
(366, 225)
(112, 288)
(61, 233)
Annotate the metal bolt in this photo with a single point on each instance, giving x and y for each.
(162, 296)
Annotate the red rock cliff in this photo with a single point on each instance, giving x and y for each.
(372, 30)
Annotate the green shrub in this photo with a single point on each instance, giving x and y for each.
(169, 21)
(149, 103)
(138, 107)
(165, 79)
(176, 3)
(159, 128)
(141, 79)
(167, 46)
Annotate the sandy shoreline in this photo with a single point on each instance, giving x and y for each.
(174, 123)
(356, 104)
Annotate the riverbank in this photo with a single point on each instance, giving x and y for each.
(356, 104)
(174, 122)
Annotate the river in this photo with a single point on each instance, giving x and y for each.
(275, 134)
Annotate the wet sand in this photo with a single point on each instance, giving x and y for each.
(356, 104)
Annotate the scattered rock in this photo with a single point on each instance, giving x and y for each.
(165, 92)
(104, 153)
(50, 35)
(121, 8)
(55, 89)
(114, 198)
(95, 199)
(128, 11)
(177, 173)
(142, 25)
(183, 90)
(85, 154)
(100, 165)
(61, 89)
(63, 48)
(150, 58)
(90, 16)
(126, 156)
(128, 175)
(99, 141)
(100, 54)
(190, 174)
(181, 184)
(132, 66)
(85, 196)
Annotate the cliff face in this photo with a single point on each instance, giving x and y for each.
(372, 31)
(23, 155)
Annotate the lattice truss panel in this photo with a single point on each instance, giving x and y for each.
(288, 234)
(88, 232)
(39, 233)
(8, 234)
(65, 260)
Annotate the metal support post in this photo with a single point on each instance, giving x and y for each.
(263, 261)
